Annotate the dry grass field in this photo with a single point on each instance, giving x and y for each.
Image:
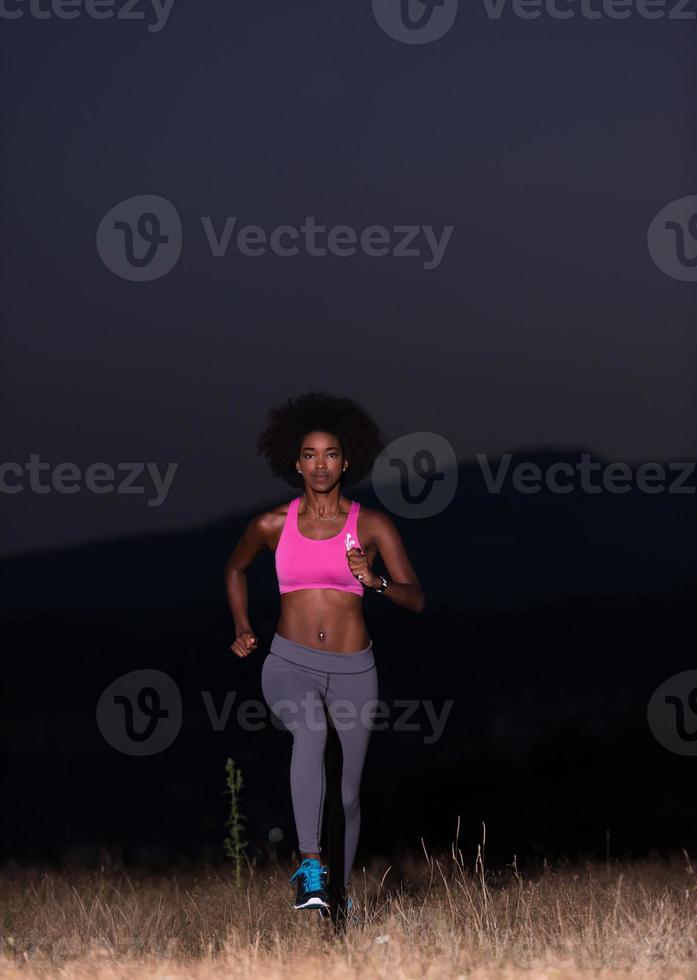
(437, 918)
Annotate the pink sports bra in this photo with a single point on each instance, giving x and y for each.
(302, 563)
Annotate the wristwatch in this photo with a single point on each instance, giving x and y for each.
(384, 585)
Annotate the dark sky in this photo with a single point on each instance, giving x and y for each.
(548, 145)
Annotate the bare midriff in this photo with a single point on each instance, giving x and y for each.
(325, 619)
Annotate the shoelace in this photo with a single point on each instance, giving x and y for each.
(314, 874)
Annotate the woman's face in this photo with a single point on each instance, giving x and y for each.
(321, 460)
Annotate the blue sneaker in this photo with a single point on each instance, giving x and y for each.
(312, 885)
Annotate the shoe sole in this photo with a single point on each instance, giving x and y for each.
(312, 903)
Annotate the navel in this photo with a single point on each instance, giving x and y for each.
(322, 634)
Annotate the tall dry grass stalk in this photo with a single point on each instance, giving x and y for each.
(436, 918)
(233, 845)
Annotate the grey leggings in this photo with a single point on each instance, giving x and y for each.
(296, 682)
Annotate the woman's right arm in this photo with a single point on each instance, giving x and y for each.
(253, 541)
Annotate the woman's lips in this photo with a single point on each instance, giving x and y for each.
(321, 476)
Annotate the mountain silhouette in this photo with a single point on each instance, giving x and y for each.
(485, 549)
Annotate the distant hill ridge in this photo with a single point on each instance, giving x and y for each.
(486, 549)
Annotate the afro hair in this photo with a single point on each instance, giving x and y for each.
(318, 411)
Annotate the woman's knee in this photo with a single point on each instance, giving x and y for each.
(308, 737)
(350, 797)
(304, 727)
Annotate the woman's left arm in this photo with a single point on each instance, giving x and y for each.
(403, 586)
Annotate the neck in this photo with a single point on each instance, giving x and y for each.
(324, 504)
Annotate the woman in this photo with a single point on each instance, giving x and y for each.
(321, 654)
